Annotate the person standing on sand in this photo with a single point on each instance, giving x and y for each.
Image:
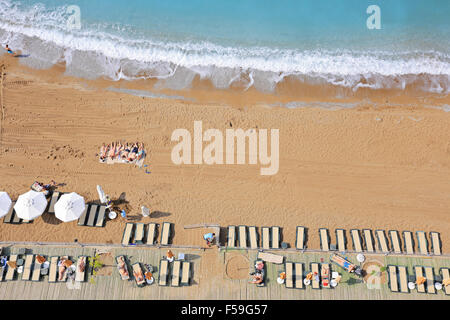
(8, 49)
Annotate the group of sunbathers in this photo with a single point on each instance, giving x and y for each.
(126, 152)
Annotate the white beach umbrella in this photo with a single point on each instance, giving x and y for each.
(30, 205)
(69, 207)
(5, 204)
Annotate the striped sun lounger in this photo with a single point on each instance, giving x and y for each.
(127, 233)
(151, 233)
(445, 277)
(80, 276)
(368, 239)
(298, 275)
(83, 218)
(101, 217)
(231, 236)
(139, 233)
(242, 237)
(186, 273)
(422, 242)
(9, 216)
(408, 242)
(393, 279)
(53, 269)
(418, 270)
(253, 237)
(403, 277)
(165, 233)
(163, 272)
(275, 237)
(92, 215)
(395, 241)
(435, 243)
(324, 239)
(341, 240)
(265, 232)
(55, 196)
(27, 267)
(356, 239)
(289, 269)
(300, 238)
(10, 272)
(315, 269)
(176, 270)
(429, 274)
(383, 245)
(36, 275)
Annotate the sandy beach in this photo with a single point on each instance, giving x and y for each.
(384, 167)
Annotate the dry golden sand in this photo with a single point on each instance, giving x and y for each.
(379, 168)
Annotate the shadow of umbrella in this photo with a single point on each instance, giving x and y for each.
(159, 214)
(50, 218)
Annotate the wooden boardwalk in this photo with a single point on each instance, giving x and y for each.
(210, 280)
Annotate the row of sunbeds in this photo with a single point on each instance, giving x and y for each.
(93, 216)
(177, 273)
(140, 233)
(245, 237)
(32, 269)
(368, 245)
(295, 275)
(398, 279)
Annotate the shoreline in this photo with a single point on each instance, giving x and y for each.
(384, 167)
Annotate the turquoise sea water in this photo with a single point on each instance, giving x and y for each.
(256, 42)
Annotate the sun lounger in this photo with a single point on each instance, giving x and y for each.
(289, 270)
(429, 274)
(393, 279)
(176, 274)
(186, 274)
(341, 240)
(9, 216)
(53, 200)
(242, 237)
(253, 237)
(409, 242)
(53, 270)
(151, 234)
(270, 257)
(300, 238)
(10, 272)
(101, 217)
(324, 239)
(64, 278)
(298, 275)
(325, 275)
(383, 244)
(356, 239)
(139, 233)
(16, 219)
(445, 276)
(403, 277)
(418, 270)
(422, 241)
(27, 267)
(80, 275)
(231, 237)
(368, 239)
(127, 233)
(165, 234)
(435, 243)
(138, 270)
(123, 276)
(275, 237)
(163, 272)
(36, 275)
(395, 241)
(265, 233)
(3, 270)
(92, 214)
(315, 270)
(83, 218)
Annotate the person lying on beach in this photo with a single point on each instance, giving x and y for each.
(122, 267)
(257, 278)
(141, 152)
(103, 152)
(8, 49)
(139, 276)
(82, 266)
(61, 268)
(133, 153)
(112, 151)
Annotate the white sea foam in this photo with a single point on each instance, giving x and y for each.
(93, 52)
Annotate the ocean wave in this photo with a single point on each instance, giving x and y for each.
(96, 51)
